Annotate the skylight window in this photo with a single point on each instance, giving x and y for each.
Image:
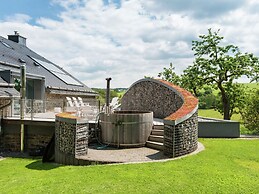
(58, 72)
(5, 44)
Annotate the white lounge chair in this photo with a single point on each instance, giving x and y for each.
(77, 106)
(82, 104)
(69, 101)
(75, 102)
(115, 103)
(70, 105)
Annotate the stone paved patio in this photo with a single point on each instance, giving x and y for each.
(130, 155)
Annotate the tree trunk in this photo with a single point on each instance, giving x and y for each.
(225, 102)
(195, 92)
(226, 109)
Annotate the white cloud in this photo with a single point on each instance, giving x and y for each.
(93, 40)
(200, 9)
(18, 18)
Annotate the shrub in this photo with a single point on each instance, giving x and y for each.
(250, 112)
(207, 100)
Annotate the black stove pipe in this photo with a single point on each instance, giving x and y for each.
(108, 95)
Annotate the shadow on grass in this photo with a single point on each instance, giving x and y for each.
(157, 156)
(38, 165)
(14, 155)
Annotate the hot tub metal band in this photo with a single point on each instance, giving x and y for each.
(123, 123)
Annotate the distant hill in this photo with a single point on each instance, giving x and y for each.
(116, 89)
(115, 92)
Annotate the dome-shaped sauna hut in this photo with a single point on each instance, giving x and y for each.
(174, 105)
(132, 126)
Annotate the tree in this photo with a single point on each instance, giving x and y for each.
(17, 84)
(250, 112)
(190, 81)
(207, 100)
(219, 66)
(237, 98)
(102, 94)
(187, 80)
(170, 75)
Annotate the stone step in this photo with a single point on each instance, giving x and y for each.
(156, 138)
(157, 132)
(155, 145)
(159, 127)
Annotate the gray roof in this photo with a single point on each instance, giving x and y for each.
(7, 90)
(11, 53)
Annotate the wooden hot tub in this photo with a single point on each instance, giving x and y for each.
(126, 128)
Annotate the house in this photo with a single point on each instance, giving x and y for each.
(47, 86)
(7, 93)
(44, 79)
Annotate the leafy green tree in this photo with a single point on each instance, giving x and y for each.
(170, 75)
(237, 98)
(17, 84)
(102, 94)
(191, 81)
(219, 66)
(250, 112)
(207, 100)
(187, 80)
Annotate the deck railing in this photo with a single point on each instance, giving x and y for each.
(47, 109)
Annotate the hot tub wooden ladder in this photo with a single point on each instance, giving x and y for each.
(156, 139)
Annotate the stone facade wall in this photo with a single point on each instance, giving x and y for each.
(151, 96)
(6, 111)
(65, 137)
(182, 138)
(57, 100)
(10, 142)
(35, 137)
(50, 96)
(82, 138)
(71, 140)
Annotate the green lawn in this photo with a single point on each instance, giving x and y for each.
(210, 113)
(251, 85)
(215, 114)
(225, 166)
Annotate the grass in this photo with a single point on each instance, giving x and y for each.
(209, 113)
(225, 166)
(236, 117)
(251, 85)
(215, 114)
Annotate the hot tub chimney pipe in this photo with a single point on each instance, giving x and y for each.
(108, 95)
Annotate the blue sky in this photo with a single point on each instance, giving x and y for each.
(126, 39)
(33, 8)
